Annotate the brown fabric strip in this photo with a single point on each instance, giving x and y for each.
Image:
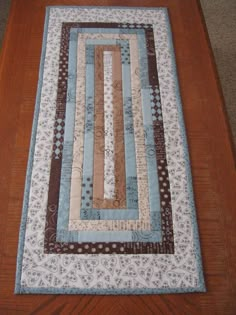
(120, 189)
(120, 174)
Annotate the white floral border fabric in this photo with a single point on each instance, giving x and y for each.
(41, 272)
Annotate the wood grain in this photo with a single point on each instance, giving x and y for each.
(213, 167)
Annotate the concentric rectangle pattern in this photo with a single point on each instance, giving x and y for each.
(108, 203)
(149, 246)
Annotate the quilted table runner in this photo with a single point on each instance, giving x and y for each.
(108, 205)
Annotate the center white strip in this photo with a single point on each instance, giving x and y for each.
(109, 170)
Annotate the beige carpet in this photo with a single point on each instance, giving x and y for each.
(4, 9)
(220, 16)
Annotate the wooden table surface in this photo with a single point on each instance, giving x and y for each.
(213, 165)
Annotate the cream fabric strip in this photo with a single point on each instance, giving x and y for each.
(109, 166)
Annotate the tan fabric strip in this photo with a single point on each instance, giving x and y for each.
(98, 176)
(120, 176)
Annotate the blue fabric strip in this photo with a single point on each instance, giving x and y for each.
(110, 30)
(111, 236)
(109, 214)
(87, 179)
